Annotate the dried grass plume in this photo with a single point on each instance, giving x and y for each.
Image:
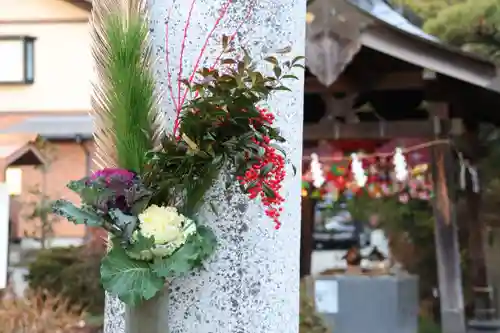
(125, 105)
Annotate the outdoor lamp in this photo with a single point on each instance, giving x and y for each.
(17, 65)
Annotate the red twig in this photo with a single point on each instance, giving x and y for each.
(167, 60)
(233, 36)
(198, 60)
(183, 46)
(223, 12)
(249, 12)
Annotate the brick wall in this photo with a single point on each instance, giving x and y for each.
(69, 163)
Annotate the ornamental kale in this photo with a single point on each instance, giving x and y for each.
(150, 243)
(111, 198)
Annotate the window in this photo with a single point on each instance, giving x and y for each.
(17, 63)
(14, 180)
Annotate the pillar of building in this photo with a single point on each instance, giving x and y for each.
(251, 285)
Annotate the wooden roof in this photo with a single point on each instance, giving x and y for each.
(374, 25)
(83, 4)
(341, 29)
(18, 150)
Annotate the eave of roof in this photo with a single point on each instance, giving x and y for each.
(18, 150)
(54, 127)
(83, 4)
(381, 10)
(411, 40)
(384, 14)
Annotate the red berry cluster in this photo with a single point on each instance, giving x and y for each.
(266, 117)
(265, 176)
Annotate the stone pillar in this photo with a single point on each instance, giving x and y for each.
(251, 285)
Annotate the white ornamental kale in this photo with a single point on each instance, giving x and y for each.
(167, 227)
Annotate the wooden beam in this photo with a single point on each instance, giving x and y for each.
(375, 130)
(391, 81)
(343, 84)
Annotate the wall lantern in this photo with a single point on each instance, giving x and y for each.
(17, 61)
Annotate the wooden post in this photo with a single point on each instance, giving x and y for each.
(484, 318)
(446, 233)
(306, 235)
(482, 291)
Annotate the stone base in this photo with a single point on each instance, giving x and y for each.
(452, 321)
(490, 326)
(368, 304)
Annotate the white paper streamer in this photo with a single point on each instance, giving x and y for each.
(400, 166)
(465, 167)
(357, 170)
(317, 171)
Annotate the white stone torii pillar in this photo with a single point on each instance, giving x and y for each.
(251, 285)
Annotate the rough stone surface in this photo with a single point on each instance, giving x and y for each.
(252, 283)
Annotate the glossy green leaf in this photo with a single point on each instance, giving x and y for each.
(225, 41)
(284, 50)
(283, 88)
(277, 71)
(296, 59)
(272, 60)
(266, 169)
(278, 148)
(268, 191)
(229, 61)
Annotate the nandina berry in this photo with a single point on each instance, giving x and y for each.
(266, 185)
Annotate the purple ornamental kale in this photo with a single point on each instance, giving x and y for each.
(110, 174)
(120, 185)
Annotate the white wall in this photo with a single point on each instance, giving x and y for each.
(33, 244)
(4, 233)
(63, 62)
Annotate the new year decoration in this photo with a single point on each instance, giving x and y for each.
(400, 167)
(467, 167)
(318, 177)
(357, 170)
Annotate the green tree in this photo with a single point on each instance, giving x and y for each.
(40, 208)
(426, 9)
(473, 25)
(40, 215)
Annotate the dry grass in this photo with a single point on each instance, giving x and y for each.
(310, 321)
(38, 312)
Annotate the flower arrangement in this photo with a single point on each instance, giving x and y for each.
(151, 189)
